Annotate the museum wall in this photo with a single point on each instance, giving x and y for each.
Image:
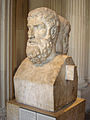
(13, 37)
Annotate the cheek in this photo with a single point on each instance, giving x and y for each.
(40, 33)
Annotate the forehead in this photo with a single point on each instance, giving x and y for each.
(35, 20)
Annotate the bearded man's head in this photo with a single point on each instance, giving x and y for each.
(43, 29)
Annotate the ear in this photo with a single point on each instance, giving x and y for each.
(53, 32)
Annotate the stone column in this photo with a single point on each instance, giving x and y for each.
(4, 55)
(89, 53)
(0, 47)
(88, 28)
(75, 11)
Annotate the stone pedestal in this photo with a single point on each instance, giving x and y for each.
(47, 87)
(17, 111)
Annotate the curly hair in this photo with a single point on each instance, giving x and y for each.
(47, 15)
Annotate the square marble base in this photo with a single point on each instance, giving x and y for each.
(17, 111)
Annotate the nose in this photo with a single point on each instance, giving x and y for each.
(31, 33)
(32, 37)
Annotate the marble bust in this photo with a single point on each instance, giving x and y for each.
(43, 25)
(47, 77)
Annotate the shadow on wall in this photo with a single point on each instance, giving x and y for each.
(86, 95)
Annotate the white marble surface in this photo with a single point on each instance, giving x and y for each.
(45, 86)
(27, 114)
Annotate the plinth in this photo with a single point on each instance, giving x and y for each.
(18, 111)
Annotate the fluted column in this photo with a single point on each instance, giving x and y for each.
(4, 52)
(4, 55)
(56, 5)
(88, 28)
(75, 11)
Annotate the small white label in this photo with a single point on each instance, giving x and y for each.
(69, 75)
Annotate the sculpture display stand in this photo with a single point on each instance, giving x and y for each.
(17, 111)
(46, 87)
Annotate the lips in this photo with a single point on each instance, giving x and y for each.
(31, 42)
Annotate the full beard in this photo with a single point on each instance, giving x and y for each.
(39, 52)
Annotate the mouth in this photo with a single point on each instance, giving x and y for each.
(31, 42)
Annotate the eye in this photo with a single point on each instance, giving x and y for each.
(35, 26)
(39, 26)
